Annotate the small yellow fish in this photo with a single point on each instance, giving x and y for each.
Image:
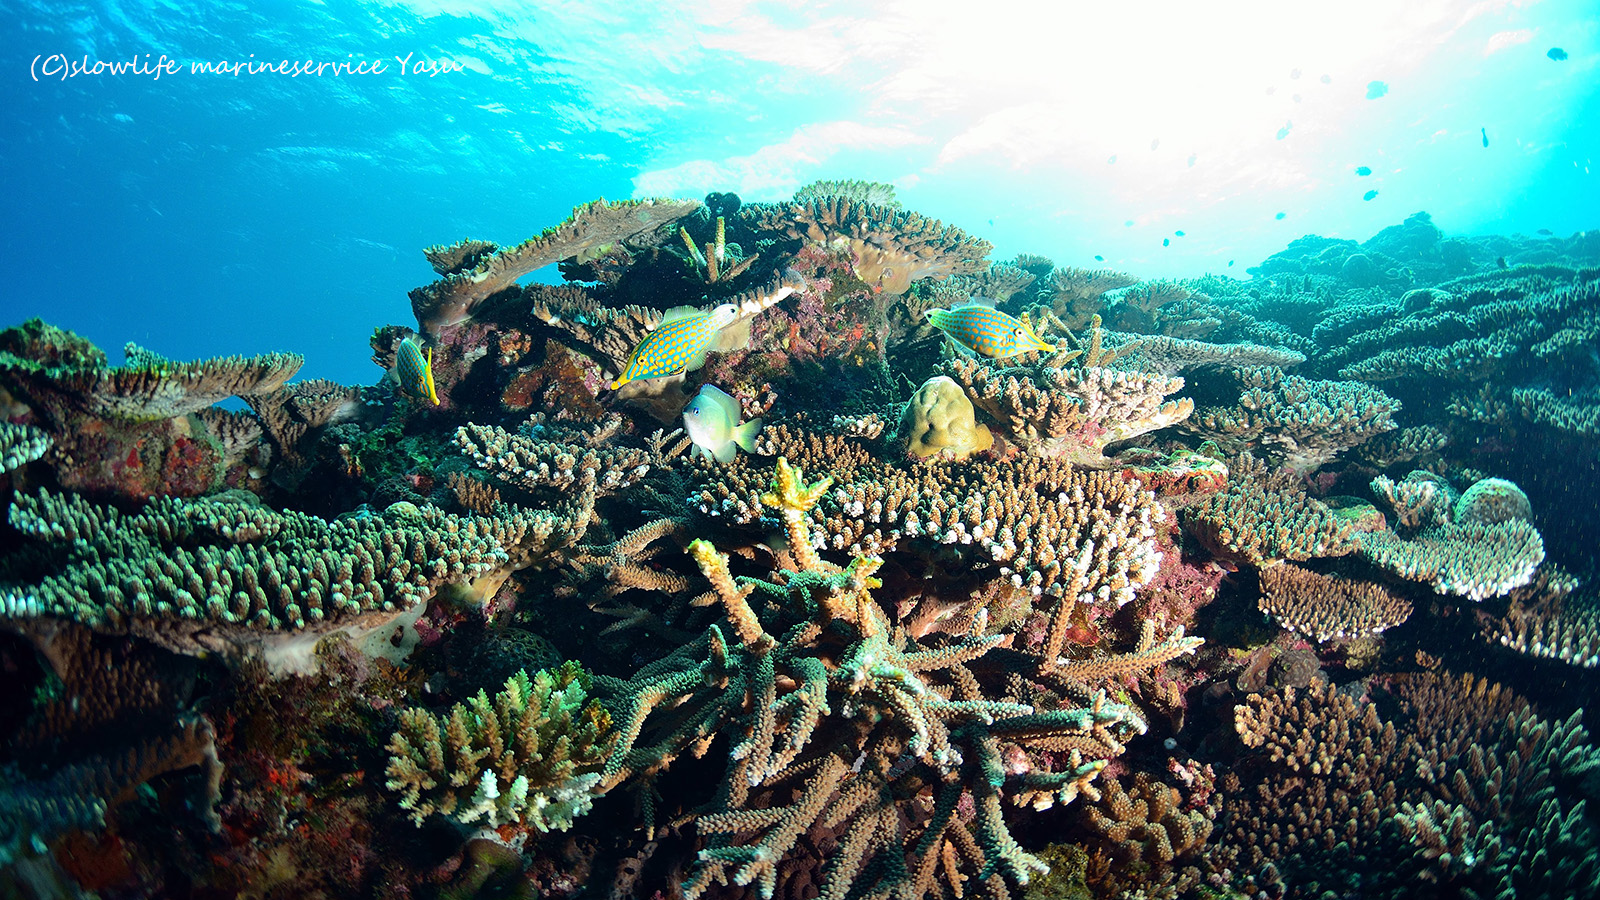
(414, 372)
(988, 331)
(678, 344)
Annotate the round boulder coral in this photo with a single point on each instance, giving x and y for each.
(1493, 500)
(939, 421)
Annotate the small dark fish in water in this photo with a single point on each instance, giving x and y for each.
(1284, 131)
(1369, 195)
(1166, 242)
(1112, 161)
(1230, 262)
(1192, 158)
(1376, 89)
(1128, 224)
(1363, 171)
(1177, 234)
(1326, 79)
(1485, 133)
(1557, 54)
(1546, 232)
(1099, 258)
(1280, 216)
(1501, 262)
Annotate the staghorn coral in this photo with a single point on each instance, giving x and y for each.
(818, 678)
(475, 270)
(1068, 413)
(1147, 837)
(1261, 518)
(1329, 607)
(1474, 798)
(531, 755)
(225, 574)
(1303, 423)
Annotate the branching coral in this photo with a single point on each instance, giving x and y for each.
(1262, 517)
(1549, 618)
(1476, 797)
(890, 248)
(818, 678)
(531, 755)
(1328, 607)
(224, 573)
(20, 445)
(1476, 550)
(476, 270)
(1069, 413)
(1305, 423)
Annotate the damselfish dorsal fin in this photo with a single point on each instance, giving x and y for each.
(720, 397)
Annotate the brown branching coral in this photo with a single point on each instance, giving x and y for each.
(1261, 517)
(20, 445)
(290, 413)
(1475, 797)
(1329, 607)
(1147, 838)
(113, 723)
(476, 270)
(1550, 618)
(533, 464)
(1460, 549)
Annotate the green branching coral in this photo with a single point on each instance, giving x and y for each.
(839, 722)
(532, 754)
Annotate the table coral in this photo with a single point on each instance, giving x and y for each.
(1263, 517)
(1329, 607)
(476, 270)
(1303, 422)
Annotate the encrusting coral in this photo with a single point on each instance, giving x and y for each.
(531, 754)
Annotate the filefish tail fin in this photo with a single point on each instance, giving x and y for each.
(745, 435)
(733, 337)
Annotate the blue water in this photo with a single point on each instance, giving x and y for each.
(205, 214)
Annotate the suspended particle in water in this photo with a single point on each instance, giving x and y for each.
(1295, 74)
(1284, 131)
(1326, 79)
(1112, 161)
(1154, 143)
(1192, 158)
(1128, 224)
(1230, 263)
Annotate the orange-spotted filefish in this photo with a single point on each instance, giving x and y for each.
(680, 343)
(414, 372)
(988, 331)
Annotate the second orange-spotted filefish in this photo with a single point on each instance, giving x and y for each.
(415, 373)
(988, 331)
